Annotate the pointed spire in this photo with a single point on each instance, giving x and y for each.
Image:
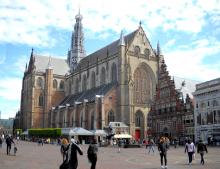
(49, 66)
(26, 68)
(158, 49)
(140, 24)
(122, 40)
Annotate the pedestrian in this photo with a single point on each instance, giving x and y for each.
(64, 151)
(119, 145)
(1, 140)
(162, 148)
(92, 153)
(201, 148)
(64, 148)
(72, 154)
(151, 146)
(190, 149)
(9, 141)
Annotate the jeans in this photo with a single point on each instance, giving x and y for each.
(190, 154)
(163, 156)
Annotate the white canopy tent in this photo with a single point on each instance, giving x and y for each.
(99, 132)
(122, 136)
(77, 131)
(25, 133)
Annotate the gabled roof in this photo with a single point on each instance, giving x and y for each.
(186, 86)
(106, 51)
(88, 94)
(59, 65)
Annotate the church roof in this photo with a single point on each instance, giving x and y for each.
(59, 65)
(186, 86)
(88, 94)
(106, 51)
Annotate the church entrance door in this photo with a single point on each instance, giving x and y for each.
(137, 134)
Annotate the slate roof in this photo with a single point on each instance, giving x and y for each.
(106, 51)
(88, 94)
(59, 65)
(186, 86)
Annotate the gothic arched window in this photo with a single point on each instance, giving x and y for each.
(61, 84)
(111, 117)
(147, 53)
(84, 83)
(92, 121)
(40, 82)
(41, 100)
(102, 78)
(92, 82)
(77, 86)
(142, 86)
(114, 73)
(137, 51)
(55, 84)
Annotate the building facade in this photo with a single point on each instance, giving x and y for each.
(207, 111)
(171, 113)
(115, 83)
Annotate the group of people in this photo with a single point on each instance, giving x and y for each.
(163, 147)
(69, 153)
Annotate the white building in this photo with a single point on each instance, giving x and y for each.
(207, 110)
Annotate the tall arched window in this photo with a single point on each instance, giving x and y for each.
(40, 82)
(114, 73)
(137, 51)
(142, 86)
(77, 85)
(55, 84)
(92, 121)
(139, 120)
(111, 117)
(84, 83)
(102, 78)
(92, 83)
(61, 84)
(41, 100)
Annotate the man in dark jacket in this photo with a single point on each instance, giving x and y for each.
(201, 148)
(74, 148)
(162, 148)
(9, 141)
(92, 153)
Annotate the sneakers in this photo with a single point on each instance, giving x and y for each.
(162, 166)
(166, 167)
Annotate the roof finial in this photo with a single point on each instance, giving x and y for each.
(140, 23)
(49, 66)
(122, 40)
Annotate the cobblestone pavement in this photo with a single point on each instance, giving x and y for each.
(32, 156)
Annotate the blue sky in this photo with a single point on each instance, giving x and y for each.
(188, 32)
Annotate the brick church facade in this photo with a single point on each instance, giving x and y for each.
(116, 83)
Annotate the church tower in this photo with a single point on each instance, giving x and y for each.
(77, 51)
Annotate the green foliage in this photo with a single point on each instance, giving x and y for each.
(45, 132)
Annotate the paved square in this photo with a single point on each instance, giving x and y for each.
(32, 156)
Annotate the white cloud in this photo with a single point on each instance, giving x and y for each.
(10, 88)
(189, 63)
(32, 22)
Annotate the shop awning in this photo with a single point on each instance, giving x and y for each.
(122, 136)
(76, 131)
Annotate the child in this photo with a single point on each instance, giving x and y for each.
(15, 150)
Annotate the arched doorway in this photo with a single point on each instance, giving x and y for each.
(139, 125)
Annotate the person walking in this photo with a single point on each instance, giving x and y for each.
(9, 141)
(201, 148)
(162, 148)
(92, 153)
(151, 146)
(190, 149)
(64, 151)
(72, 154)
(1, 140)
(119, 141)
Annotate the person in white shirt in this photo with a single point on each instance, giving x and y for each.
(190, 149)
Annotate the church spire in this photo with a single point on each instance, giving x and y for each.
(122, 40)
(77, 51)
(158, 49)
(49, 66)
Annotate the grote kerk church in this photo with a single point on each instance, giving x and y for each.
(115, 83)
